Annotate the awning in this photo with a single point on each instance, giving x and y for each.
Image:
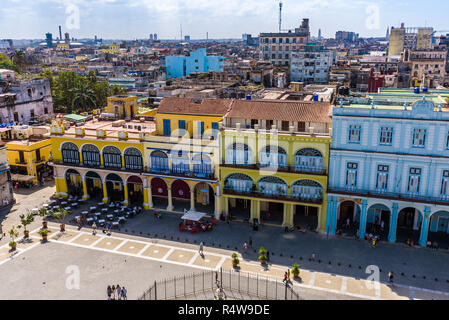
(193, 215)
(22, 178)
(4, 129)
(75, 117)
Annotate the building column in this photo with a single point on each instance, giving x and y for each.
(146, 206)
(169, 163)
(255, 210)
(393, 223)
(125, 193)
(331, 215)
(85, 193)
(192, 199)
(101, 160)
(363, 216)
(424, 227)
(217, 212)
(170, 200)
(105, 193)
(288, 215)
(225, 206)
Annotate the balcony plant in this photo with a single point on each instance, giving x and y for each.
(26, 220)
(262, 255)
(235, 260)
(13, 234)
(296, 270)
(60, 215)
(44, 234)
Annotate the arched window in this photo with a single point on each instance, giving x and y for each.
(70, 153)
(179, 162)
(307, 189)
(133, 159)
(112, 157)
(202, 164)
(308, 160)
(158, 161)
(272, 186)
(239, 154)
(239, 182)
(273, 156)
(91, 155)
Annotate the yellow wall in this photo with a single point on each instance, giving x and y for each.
(191, 123)
(13, 150)
(124, 103)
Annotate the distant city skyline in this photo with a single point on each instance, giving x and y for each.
(123, 19)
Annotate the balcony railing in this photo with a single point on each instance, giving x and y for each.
(443, 199)
(207, 174)
(287, 197)
(291, 169)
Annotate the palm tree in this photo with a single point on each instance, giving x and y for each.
(84, 97)
(19, 60)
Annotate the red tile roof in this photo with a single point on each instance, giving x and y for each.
(318, 112)
(188, 106)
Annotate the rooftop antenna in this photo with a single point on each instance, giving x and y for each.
(181, 31)
(280, 15)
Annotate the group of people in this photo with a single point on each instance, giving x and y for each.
(373, 239)
(298, 227)
(117, 293)
(433, 245)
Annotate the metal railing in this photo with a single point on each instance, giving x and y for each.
(280, 168)
(208, 281)
(286, 197)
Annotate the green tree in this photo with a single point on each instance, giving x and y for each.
(63, 91)
(102, 92)
(92, 77)
(84, 97)
(19, 60)
(116, 90)
(6, 63)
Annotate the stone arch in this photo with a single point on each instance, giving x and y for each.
(202, 164)
(378, 216)
(91, 155)
(112, 157)
(308, 159)
(70, 153)
(239, 153)
(135, 189)
(238, 182)
(114, 185)
(272, 156)
(307, 189)
(272, 185)
(158, 160)
(180, 190)
(133, 158)
(74, 182)
(94, 184)
(348, 208)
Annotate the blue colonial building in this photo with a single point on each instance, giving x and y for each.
(389, 170)
(197, 61)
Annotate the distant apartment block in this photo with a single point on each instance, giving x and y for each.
(311, 65)
(197, 61)
(278, 47)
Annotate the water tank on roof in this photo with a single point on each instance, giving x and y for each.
(315, 97)
(425, 89)
(416, 90)
(248, 97)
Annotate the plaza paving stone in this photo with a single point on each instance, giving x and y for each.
(155, 251)
(323, 280)
(108, 243)
(26, 243)
(131, 247)
(65, 236)
(181, 256)
(86, 239)
(209, 261)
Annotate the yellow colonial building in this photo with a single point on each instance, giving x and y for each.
(103, 159)
(182, 156)
(275, 162)
(28, 150)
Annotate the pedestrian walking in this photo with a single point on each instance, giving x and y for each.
(245, 247)
(382, 225)
(124, 294)
(94, 228)
(108, 228)
(250, 242)
(78, 222)
(113, 292)
(285, 277)
(119, 292)
(288, 274)
(348, 223)
(268, 255)
(201, 248)
(374, 243)
(313, 256)
(357, 234)
(390, 277)
(109, 291)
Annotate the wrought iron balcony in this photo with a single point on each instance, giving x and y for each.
(264, 195)
(281, 168)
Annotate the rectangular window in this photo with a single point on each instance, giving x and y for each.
(351, 174)
(445, 184)
(167, 130)
(414, 180)
(382, 177)
(447, 141)
(215, 129)
(386, 136)
(419, 138)
(354, 133)
(182, 124)
(301, 125)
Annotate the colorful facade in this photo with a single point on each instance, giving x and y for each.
(275, 162)
(389, 170)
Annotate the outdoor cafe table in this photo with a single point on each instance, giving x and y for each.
(84, 213)
(115, 224)
(101, 221)
(63, 203)
(68, 208)
(116, 211)
(121, 218)
(34, 211)
(111, 205)
(110, 216)
(97, 214)
(56, 207)
(90, 219)
(93, 208)
(75, 204)
(104, 210)
(100, 204)
(45, 205)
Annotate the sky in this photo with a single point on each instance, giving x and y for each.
(136, 19)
